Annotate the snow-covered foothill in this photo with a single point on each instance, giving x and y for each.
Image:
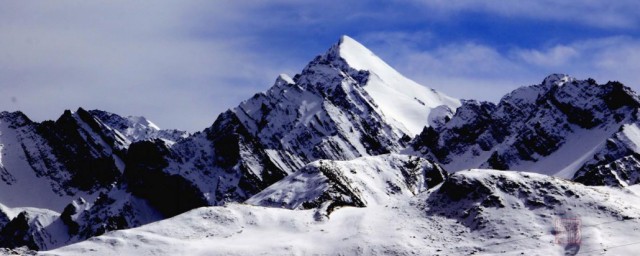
(472, 212)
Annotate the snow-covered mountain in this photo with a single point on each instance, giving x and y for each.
(345, 104)
(560, 127)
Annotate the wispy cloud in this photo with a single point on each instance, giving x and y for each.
(130, 58)
(472, 70)
(556, 56)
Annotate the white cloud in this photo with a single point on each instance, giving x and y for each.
(554, 57)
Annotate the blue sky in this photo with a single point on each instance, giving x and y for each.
(181, 63)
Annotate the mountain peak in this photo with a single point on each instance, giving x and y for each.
(400, 98)
(351, 50)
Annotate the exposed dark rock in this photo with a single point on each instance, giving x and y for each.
(170, 194)
(16, 233)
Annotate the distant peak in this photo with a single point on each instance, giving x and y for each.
(557, 79)
(130, 120)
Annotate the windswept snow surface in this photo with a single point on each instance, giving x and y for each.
(484, 212)
(399, 98)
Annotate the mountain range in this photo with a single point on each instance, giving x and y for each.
(346, 157)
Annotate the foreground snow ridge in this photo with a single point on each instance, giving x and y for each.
(476, 211)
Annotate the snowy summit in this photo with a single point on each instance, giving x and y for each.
(407, 103)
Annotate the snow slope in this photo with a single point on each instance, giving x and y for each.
(580, 146)
(473, 212)
(21, 186)
(31, 172)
